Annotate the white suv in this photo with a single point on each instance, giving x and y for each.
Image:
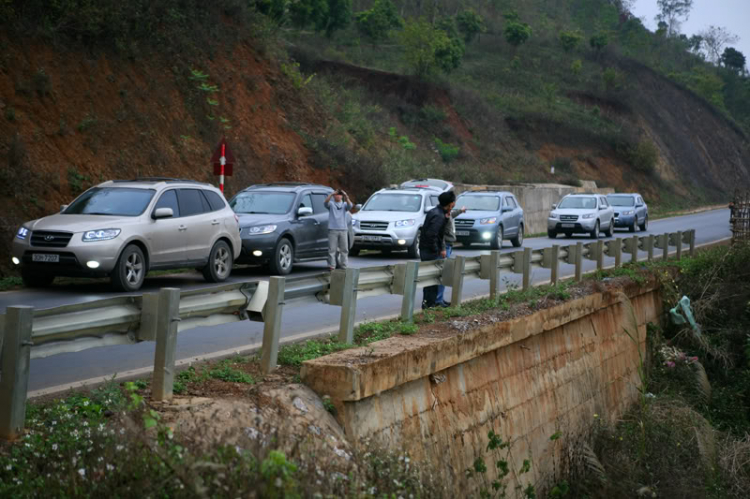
(581, 213)
(123, 229)
(392, 219)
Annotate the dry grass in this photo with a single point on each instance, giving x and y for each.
(734, 460)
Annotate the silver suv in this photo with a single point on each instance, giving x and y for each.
(581, 213)
(123, 229)
(392, 219)
(490, 217)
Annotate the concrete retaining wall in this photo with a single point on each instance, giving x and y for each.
(536, 199)
(527, 379)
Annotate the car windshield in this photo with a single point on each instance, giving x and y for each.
(394, 202)
(112, 201)
(578, 203)
(621, 200)
(262, 203)
(479, 203)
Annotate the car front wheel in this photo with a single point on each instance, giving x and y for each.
(644, 225)
(130, 270)
(413, 251)
(595, 233)
(518, 240)
(283, 258)
(610, 230)
(220, 263)
(552, 234)
(499, 236)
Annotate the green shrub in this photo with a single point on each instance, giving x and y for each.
(644, 157)
(570, 40)
(448, 152)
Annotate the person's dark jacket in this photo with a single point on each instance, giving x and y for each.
(433, 231)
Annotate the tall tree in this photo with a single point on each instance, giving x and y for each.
(733, 59)
(673, 13)
(377, 22)
(715, 39)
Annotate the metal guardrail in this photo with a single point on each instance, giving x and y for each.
(29, 334)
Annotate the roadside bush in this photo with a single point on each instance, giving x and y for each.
(644, 156)
(448, 152)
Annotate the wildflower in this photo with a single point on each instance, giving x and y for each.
(54, 446)
(74, 434)
(670, 364)
(101, 427)
(122, 431)
(54, 423)
(110, 467)
(596, 416)
(86, 403)
(85, 423)
(82, 472)
(119, 448)
(9, 467)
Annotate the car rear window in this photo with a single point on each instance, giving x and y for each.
(216, 202)
(191, 202)
(112, 201)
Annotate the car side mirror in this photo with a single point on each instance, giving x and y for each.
(506, 209)
(358, 207)
(428, 208)
(554, 206)
(305, 211)
(62, 207)
(163, 213)
(602, 208)
(639, 206)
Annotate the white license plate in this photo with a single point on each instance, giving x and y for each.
(568, 226)
(371, 238)
(41, 257)
(462, 232)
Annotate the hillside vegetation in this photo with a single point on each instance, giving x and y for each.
(360, 94)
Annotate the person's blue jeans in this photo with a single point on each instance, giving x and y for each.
(441, 288)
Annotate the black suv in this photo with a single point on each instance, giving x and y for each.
(282, 223)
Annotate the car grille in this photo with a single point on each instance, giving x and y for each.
(373, 225)
(464, 224)
(569, 218)
(47, 239)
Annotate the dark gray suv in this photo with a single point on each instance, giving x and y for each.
(281, 224)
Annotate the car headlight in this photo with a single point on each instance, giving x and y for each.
(589, 215)
(260, 229)
(488, 221)
(629, 212)
(553, 214)
(100, 235)
(404, 223)
(22, 233)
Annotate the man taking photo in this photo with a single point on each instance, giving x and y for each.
(338, 231)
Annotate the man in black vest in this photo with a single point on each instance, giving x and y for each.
(431, 242)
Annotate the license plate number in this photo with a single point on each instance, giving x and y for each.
(371, 238)
(568, 226)
(45, 258)
(462, 232)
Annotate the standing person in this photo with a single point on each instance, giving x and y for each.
(350, 233)
(338, 231)
(450, 239)
(432, 241)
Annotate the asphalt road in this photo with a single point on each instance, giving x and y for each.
(298, 321)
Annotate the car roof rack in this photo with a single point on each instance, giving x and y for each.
(160, 179)
(288, 184)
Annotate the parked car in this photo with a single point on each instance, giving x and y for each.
(282, 224)
(491, 217)
(631, 211)
(581, 213)
(392, 219)
(124, 228)
(441, 185)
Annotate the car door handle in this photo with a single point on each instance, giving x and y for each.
(215, 222)
(182, 228)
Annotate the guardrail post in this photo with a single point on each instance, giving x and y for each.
(14, 384)
(634, 247)
(272, 312)
(410, 272)
(665, 247)
(348, 304)
(599, 255)
(679, 244)
(167, 317)
(650, 247)
(553, 263)
(579, 261)
(617, 246)
(457, 282)
(494, 274)
(526, 268)
(691, 242)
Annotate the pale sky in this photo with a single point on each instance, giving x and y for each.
(731, 14)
